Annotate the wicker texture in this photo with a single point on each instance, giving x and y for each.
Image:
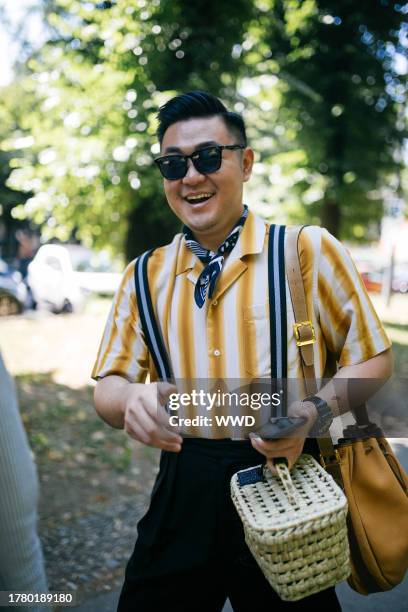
(295, 527)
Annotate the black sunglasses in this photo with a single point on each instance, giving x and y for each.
(206, 160)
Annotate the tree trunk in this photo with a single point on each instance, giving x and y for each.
(148, 230)
(9, 242)
(330, 216)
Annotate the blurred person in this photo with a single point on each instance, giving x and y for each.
(27, 247)
(209, 291)
(21, 558)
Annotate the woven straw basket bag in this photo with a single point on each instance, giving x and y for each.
(295, 526)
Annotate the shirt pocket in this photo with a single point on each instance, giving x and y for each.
(257, 354)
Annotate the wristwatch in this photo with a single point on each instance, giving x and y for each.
(324, 416)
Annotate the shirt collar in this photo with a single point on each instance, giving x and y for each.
(250, 242)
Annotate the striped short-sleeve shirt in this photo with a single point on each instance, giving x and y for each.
(229, 337)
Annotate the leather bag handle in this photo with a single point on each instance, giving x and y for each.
(297, 293)
(305, 338)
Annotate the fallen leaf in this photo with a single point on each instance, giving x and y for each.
(55, 455)
(80, 458)
(99, 498)
(98, 435)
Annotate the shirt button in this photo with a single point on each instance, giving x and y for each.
(217, 352)
(215, 302)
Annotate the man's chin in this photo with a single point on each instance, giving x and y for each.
(201, 228)
(200, 223)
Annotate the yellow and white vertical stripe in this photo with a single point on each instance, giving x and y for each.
(228, 339)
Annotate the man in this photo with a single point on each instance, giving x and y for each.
(210, 294)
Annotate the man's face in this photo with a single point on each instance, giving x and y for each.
(211, 219)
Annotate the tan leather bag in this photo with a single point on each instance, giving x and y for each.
(364, 465)
(376, 489)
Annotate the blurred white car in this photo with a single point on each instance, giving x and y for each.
(95, 272)
(62, 276)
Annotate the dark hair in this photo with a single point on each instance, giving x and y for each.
(199, 104)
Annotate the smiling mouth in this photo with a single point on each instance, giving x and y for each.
(199, 198)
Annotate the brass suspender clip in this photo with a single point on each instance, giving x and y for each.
(296, 328)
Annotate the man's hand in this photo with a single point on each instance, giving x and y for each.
(146, 420)
(290, 447)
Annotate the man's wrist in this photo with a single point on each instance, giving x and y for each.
(310, 412)
(322, 415)
(130, 391)
(311, 409)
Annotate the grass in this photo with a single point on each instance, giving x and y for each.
(62, 426)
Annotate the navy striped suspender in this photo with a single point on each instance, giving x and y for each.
(277, 309)
(277, 301)
(148, 319)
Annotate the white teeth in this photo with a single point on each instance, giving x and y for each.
(199, 196)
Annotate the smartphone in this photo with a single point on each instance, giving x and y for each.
(279, 427)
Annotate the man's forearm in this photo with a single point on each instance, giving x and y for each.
(353, 385)
(109, 398)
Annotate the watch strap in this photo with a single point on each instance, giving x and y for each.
(324, 418)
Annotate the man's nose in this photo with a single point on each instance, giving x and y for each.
(193, 176)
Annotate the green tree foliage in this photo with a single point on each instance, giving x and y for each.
(9, 197)
(341, 98)
(316, 81)
(96, 86)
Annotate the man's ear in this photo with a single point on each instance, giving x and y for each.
(247, 163)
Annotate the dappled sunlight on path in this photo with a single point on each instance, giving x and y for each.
(64, 345)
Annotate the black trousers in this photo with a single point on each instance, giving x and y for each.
(190, 554)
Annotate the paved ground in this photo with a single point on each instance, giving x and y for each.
(392, 601)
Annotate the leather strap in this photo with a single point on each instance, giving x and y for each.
(297, 293)
(329, 456)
